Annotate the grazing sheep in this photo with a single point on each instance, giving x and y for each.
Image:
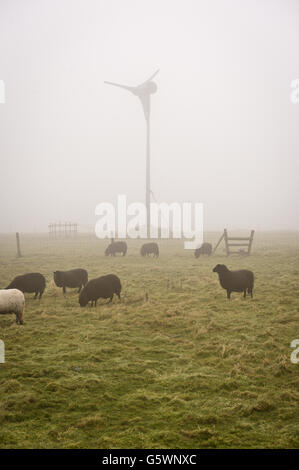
(12, 301)
(150, 248)
(205, 249)
(235, 281)
(31, 282)
(73, 278)
(102, 287)
(116, 247)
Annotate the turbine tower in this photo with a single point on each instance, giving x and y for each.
(144, 92)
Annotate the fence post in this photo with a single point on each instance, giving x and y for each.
(226, 242)
(250, 242)
(19, 254)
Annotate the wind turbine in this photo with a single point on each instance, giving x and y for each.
(144, 92)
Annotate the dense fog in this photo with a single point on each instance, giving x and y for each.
(224, 130)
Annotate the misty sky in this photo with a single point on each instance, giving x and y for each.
(224, 131)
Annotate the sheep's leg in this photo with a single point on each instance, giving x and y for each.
(64, 289)
(36, 294)
(79, 290)
(118, 295)
(111, 298)
(228, 294)
(244, 293)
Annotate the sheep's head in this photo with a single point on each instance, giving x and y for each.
(21, 318)
(220, 268)
(83, 300)
(57, 278)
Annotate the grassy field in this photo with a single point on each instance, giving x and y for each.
(185, 369)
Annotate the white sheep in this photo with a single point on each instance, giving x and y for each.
(12, 301)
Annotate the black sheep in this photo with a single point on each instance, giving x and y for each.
(73, 278)
(205, 249)
(150, 248)
(235, 281)
(116, 247)
(102, 287)
(30, 282)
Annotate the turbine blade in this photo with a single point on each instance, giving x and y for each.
(120, 86)
(150, 78)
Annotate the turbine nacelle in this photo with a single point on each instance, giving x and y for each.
(143, 91)
(147, 88)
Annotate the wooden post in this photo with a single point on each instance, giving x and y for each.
(226, 242)
(19, 254)
(250, 242)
